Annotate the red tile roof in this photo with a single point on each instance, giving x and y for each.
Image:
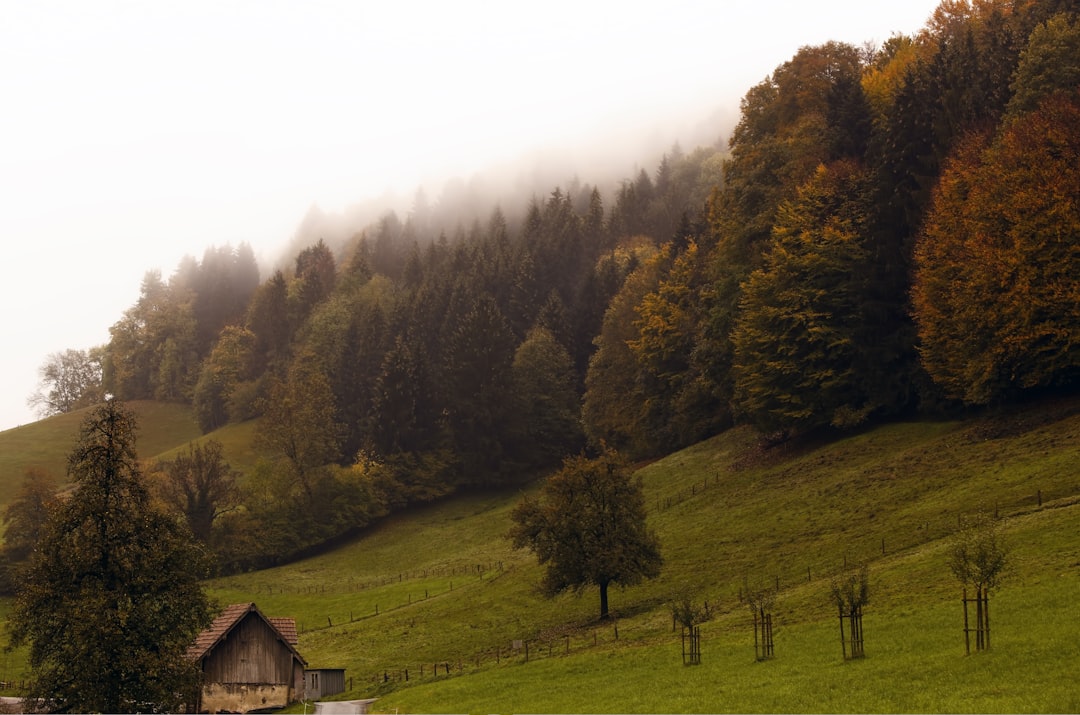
(227, 620)
(287, 628)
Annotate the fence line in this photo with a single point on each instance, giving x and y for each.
(526, 650)
(354, 585)
(668, 499)
(518, 651)
(920, 533)
(353, 617)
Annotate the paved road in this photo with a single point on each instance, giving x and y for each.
(343, 707)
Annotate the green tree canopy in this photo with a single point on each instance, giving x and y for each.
(978, 555)
(799, 361)
(1050, 63)
(111, 600)
(612, 407)
(299, 424)
(24, 522)
(588, 527)
(546, 411)
(199, 484)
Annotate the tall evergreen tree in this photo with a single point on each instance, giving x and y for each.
(800, 359)
(477, 364)
(112, 598)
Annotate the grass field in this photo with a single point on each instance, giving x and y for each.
(440, 587)
(46, 444)
(728, 514)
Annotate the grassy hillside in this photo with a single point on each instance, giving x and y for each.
(45, 444)
(441, 585)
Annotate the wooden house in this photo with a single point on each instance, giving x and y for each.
(248, 662)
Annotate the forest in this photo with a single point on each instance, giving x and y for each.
(889, 231)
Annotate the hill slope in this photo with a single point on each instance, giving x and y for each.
(441, 585)
(46, 444)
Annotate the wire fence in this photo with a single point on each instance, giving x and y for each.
(355, 585)
(480, 572)
(520, 651)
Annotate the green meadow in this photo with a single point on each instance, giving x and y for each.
(431, 610)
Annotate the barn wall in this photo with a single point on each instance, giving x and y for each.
(251, 653)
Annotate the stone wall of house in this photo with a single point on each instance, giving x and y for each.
(244, 697)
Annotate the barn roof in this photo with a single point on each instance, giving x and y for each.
(233, 615)
(287, 628)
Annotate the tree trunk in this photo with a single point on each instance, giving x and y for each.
(603, 601)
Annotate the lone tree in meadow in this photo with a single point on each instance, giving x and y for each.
(111, 599)
(588, 527)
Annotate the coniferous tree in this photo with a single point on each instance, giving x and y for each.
(111, 600)
(268, 319)
(479, 352)
(800, 358)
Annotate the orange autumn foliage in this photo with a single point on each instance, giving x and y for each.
(997, 286)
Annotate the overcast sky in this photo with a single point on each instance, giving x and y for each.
(134, 133)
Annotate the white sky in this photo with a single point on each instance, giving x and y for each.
(133, 133)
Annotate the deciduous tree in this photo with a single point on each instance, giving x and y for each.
(996, 293)
(69, 380)
(199, 484)
(588, 527)
(299, 424)
(24, 522)
(799, 341)
(546, 410)
(612, 407)
(1050, 63)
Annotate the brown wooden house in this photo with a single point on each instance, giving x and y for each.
(248, 662)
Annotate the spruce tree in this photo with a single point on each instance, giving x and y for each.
(111, 599)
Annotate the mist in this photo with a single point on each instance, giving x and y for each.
(603, 161)
(136, 134)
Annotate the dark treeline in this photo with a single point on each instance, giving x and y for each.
(411, 361)
(894, 231)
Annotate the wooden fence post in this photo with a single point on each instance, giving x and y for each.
(967, 629)
(843, 641)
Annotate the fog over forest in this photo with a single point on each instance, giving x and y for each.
(137, 135)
